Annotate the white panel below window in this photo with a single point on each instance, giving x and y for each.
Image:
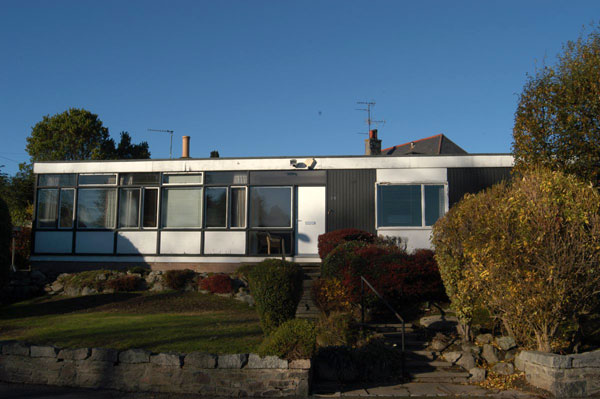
(180, 242)
(136, 242)
(418, 238)
(224, 242)
(94, 242)
(413, 175)
(53, 242)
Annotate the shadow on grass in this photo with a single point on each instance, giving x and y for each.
(44, 307)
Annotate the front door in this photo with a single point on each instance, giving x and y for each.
(311, 219)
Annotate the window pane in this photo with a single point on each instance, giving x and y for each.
(47, 205)
(182, 207)
(216, 207)
(237, 207)
(226, 178)
(399, 206)
(270, 207)
(57, 180)
(139, 179)
(150, 207)
(98, 179)
(67, 201)
(129, 207)
(195, 178)
(96, 208)
(270, 243)
(434, 204)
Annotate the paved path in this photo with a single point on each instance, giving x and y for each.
(414, 389)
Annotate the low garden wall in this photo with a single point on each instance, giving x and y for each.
(139, 370)
(565, 376)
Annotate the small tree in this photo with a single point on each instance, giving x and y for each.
(557, 122)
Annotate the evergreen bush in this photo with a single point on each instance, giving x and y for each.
(294, 339)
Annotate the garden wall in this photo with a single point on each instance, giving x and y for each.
(139, 370)
(565, 376)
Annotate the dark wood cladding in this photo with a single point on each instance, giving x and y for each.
(351, 199)
(473, 180)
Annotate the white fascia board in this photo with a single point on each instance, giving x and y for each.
(168, 259)
(222, 164)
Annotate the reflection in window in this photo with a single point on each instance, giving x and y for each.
(67, 204)
(237, 213)
(182, 207)
(216, 207)
(139, 179)
(98, 179)
(399, 205)
(47, 207)
(56, 180)
(226, 178)
(129, 207)
(435, 205)
(190, 178)
(150, 215)
(96, 208)
(270, 207)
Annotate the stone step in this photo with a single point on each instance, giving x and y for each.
(439, 376)
(422, 354)
(416, 364)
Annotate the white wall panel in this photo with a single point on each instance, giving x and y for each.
(94, 242)
(53, 242)
(414, 175)
(180, 242)
(225, 242)
(136, 242)
(413, 238)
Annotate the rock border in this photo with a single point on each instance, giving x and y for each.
(135, 370)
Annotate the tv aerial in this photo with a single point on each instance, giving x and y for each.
(166, 131)
(368, 110)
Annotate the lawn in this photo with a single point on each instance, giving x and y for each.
(167, 321)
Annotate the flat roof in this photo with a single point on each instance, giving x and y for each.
(276, 163)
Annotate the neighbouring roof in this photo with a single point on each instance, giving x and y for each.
(434, 145)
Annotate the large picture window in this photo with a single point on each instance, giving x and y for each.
(96, 208)
(271, 207)
(182, 207)
(416, 205)
(216, 207)
(55, 206)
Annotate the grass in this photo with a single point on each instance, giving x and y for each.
(167, 321)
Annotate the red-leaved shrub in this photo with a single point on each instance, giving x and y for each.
(328, 241)
(217, 284)
(124, 283)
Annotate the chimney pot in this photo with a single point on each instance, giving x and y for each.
(373, 144)
(185, 146)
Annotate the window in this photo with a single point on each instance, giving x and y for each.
(56, 180)
(55, 206)
(410, 205)
(216, 207)
(182, 207)
(96, 208)
(139, 179)
(237, 207)
(92, 180)
(150, 212)
(188, 178)
(271, 207)
(129, 208)
(226, 178)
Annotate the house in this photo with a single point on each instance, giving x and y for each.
(213, 214)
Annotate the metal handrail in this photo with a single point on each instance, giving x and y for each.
(364, 281)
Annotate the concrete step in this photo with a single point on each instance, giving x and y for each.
(422, 355)
(416, 364)
(438, 376)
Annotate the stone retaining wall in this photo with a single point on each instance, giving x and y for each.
(567, 376)
(139, 370)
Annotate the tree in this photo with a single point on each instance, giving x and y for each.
(557, 122)
(78, 134)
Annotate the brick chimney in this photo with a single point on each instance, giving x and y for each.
(185, 146)
(372, 144)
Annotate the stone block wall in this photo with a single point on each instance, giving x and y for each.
(138, 370)
(565, 376)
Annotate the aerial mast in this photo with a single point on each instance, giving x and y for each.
(166, 131)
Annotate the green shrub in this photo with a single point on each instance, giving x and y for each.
(179, 279)
(532, 248)
(337, 329)
(5, 235)
(276, 286)
(294, 339)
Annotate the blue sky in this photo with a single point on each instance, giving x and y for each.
(263, 78)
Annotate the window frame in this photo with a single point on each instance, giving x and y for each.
(205, 206)
(115, 221)
(292, 213)
(163, 183)
(163, 214)
(245, 226)
(73, 213)
(86, 185)
(422, 185)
